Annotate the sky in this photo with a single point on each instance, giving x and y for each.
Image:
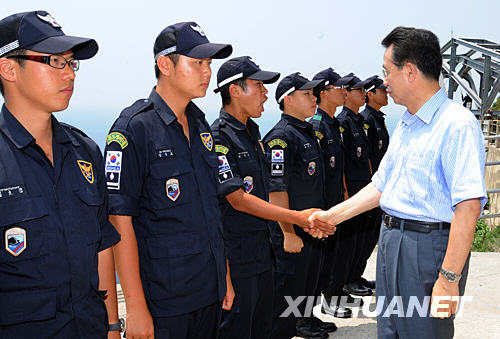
(283, 36)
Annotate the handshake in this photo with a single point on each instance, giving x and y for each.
(318, 223)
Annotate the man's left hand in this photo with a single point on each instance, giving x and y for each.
(444, 301)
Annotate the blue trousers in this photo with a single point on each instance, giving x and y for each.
(407, 267)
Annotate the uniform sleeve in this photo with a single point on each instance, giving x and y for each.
(125, 171)
(280, 154)
(462, 161)
(109, 235)
(229, 178)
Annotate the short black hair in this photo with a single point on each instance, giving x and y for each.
(373, 90)
(224, 90)
(418, 46)
(174, 57)
(21, 62)
(317, 93)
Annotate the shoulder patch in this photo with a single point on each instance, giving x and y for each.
(317, 117)
(319, 134)
(276, 142)
(341, 129)
(366, 126)
(221, 149)
(118, 138)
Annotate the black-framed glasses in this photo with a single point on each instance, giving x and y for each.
(56, 61)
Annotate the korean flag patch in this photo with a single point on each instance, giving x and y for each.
(113, 168)
(225, 172)
(277, 162)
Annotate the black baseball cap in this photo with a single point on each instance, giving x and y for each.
(356, 83)
(38, 31)
(293, 82)
(375, 82)
(243, 68)
(331, 77)
(187, 38)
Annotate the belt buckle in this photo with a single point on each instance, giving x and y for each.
(389, 221)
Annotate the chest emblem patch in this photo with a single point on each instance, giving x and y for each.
(359, 151)
(87, 171)
(173, 189)
(15, 240)
(332, 161)
(311, 168)
(207, 140)
(248, 182)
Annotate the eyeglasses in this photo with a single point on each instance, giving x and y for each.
(385, 72)
(56, 61)
(332, 87)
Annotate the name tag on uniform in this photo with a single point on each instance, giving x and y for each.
(165, 153)
(11, 192)
(243, 155)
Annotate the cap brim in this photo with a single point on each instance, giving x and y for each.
(381, 87)
(360, 84)
(343, 81)
(311, 84)
(82, 48)
(265, 76)
(209, 50)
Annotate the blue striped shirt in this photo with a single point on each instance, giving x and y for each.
(434, 161)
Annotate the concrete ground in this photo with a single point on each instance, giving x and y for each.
(480, 317)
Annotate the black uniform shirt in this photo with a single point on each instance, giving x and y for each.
(357, 154)
(327, 130)
(169, 186)
(378, 136)
(295, 162)
(242, 164)
(53, 223)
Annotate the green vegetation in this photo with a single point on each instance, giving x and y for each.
(485, 239)
(496, 105)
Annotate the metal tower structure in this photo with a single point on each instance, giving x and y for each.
(480, 55)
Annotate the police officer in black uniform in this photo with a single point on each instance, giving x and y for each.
(378, 141)
(244, 190)
(297, 182)
(357, 175)
(330, 95)
(162, 170)
(53, 218)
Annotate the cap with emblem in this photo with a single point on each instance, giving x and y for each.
(356, 83)
(375, 82)
(243, 68)
(38, 31)
(187, 38)
(331, 77)
(293, 82)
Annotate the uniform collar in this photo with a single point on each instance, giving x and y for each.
(20, 136)
(296, 122)
(356, 117)
(326, 116)
(13, 129)
(166, 114)
(377, 114)
(232, 121)
(428, 110)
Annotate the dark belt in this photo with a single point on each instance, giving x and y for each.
(413, 225)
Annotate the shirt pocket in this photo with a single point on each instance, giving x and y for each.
(178, 257)
(89, 202)
(25, 306)
(27, 214)
(418, 168)
(171, 184)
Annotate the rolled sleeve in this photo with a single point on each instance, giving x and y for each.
(463, 161)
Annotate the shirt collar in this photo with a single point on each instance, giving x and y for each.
(13, 129)
(61, 135)
(428, 110)
(232, 121)
(326, 116)
(295, 121)
(377, 114)
(166, 114)
(357, 117)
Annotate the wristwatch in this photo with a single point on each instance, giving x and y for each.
(117, 327)
(449, 275)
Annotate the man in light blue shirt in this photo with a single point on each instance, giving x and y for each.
(430, 186)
